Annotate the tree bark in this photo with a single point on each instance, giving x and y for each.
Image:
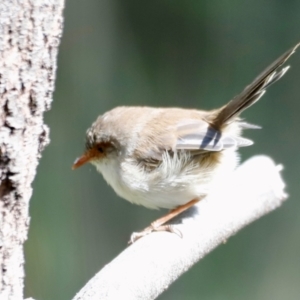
(30, 32)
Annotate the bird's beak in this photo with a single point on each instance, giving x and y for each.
(86, 157)
(81, 161)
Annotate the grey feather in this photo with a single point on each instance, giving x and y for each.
(246, 125)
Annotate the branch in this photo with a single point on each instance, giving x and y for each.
(147, 268)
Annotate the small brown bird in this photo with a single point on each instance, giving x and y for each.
(172, 157)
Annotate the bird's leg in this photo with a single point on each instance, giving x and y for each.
(159, 224)
(172, 214)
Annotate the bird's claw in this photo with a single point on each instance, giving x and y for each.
(169, 228)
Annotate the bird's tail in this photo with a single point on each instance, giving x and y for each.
(253, 92)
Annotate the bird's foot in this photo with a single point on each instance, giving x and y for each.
(160, 224)
(152, 228)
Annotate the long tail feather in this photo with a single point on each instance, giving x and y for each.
(253, 92)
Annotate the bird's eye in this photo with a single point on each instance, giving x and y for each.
(100, 149)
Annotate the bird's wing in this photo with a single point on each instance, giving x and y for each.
(195, 135)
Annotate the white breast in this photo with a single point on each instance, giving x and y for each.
(174, 183)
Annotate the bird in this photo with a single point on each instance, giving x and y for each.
(172, 158)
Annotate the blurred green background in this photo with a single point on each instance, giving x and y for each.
(165, 53)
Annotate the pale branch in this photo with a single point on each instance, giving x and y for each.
(147, 268)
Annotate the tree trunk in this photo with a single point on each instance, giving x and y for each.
(30, 32)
